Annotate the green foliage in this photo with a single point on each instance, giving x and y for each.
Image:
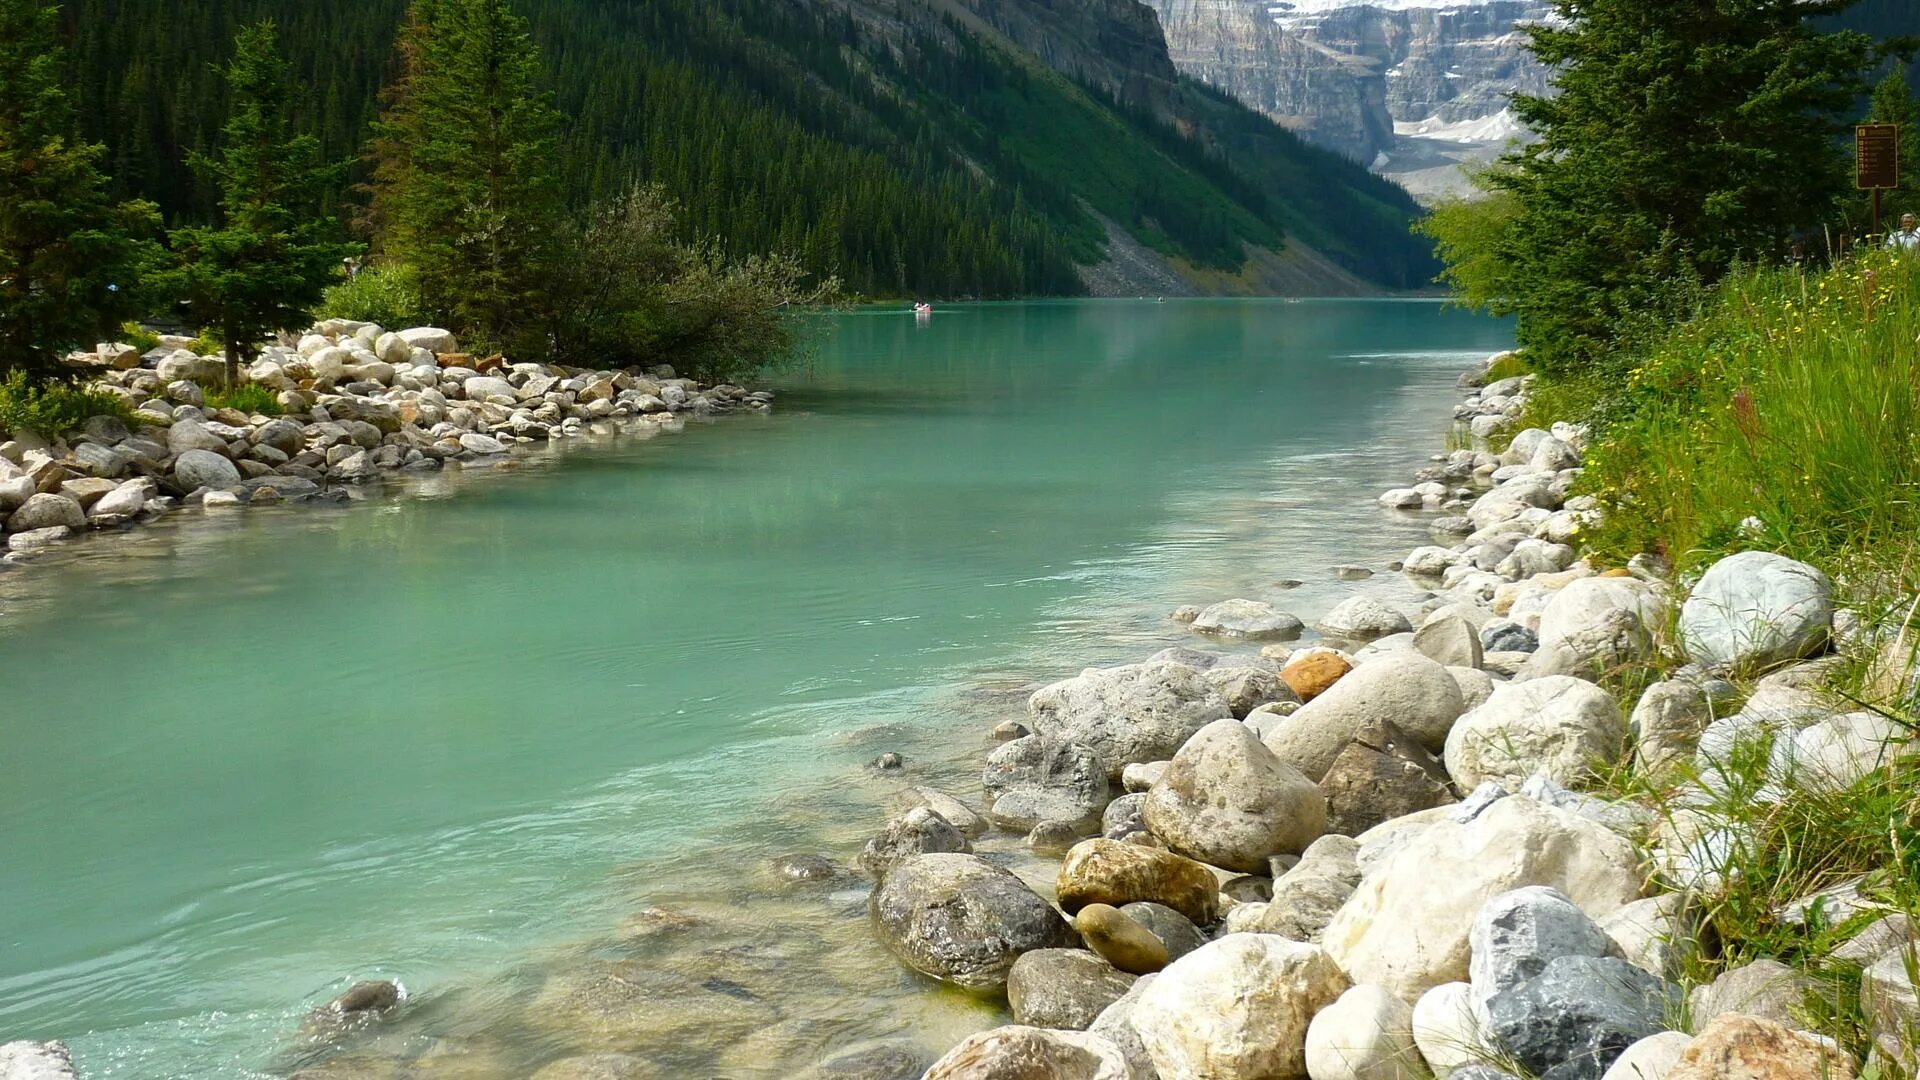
(1470, 236)
(628, 295)
(138, 336)
(247, 398)
(1683, 138)
(1820, 836)
(1509, 365)
(70, 257)
(1789, 400)
(53, 407)
(377, 294)
(464, 188)
(207, 344)
(266, 265)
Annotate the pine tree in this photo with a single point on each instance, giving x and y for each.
(266, 265)
(1893, 104)
(70, 258)
(465, 189)
(1686, 134)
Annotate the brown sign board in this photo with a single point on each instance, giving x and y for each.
(1876, 156)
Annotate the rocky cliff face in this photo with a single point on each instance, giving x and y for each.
(1413, 91)
(1112, 44)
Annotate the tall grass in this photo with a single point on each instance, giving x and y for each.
(1786, 416)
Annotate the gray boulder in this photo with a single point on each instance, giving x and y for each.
(193, 435)
(1040, 778)
(1754, 610)
(1667, 721)
(47, 511)
(1449, 639)
(1306, 897)
(1124, 816)
(1246, 687)
(1063, 988)
(1247, 619)
(1175, 931)
(283, 435)
(1573, 1019)
(1227, 800)
(204, 468)
(961, 919)
(1519, 932)
(1595, 625)
(1130, 714)
(1768, 989)
(919, 831)
(1506, 636)
(1362, 618)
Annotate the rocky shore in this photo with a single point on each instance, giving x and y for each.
(1402, 851)
(1410, 841)
(355, 402)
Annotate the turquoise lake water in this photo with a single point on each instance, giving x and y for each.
(518, 729)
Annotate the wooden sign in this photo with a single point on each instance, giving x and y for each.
(1876, 156)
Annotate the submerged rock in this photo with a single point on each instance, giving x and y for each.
(961, 919)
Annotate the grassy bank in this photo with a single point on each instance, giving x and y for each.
(1785, 416)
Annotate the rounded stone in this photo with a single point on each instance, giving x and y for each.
(1557, 725)
(204, 468)
(1102, 871)
(1063, 988)
(1754, 610)
(1119, 940)
(1367, 1034)
(1227, 800)
(47, 511)
(961, 919)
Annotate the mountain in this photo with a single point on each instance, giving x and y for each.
(1412, 88)
(915, 147)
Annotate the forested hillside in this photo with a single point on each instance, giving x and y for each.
(903, 150)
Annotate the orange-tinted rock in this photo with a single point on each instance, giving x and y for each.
(1314, 674)
(1740, 1047)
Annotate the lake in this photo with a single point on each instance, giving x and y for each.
(527, 739)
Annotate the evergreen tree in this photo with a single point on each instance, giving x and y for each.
(69, 257)
(1686, 134)
(1893, 104)
(465, 189)
(265, 267)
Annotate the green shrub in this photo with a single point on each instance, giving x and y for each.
(139, 336)
(247, 398)
(206, 345)
(1507, 366)
(377, 294)
(54, 407)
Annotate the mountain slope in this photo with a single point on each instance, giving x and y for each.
(926, 147)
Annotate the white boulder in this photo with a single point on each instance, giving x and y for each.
(1756, 609)
(1407, 926)
(1558, 725)
(1237, 1009)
